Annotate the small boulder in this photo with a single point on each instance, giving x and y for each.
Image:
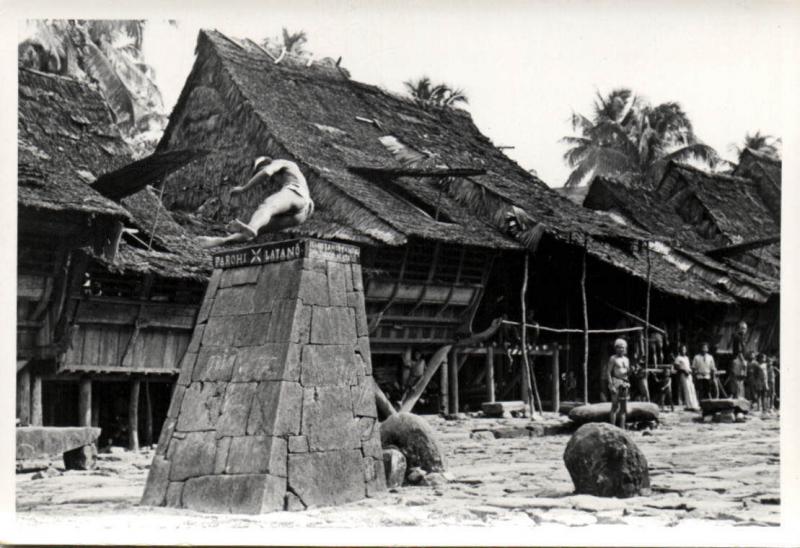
(416, 439)
(603, 460)
(48, 472)
(394, 464)
(82, 458)
(416, 476)
(726, 416)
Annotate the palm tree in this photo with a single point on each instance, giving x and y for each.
(294, 41)
(631, 140)
(763, 143)
(439, 95)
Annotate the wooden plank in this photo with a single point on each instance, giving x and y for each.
(30, 286)
(152, 348)
(36, 401)
(109, 343)
(170, 349)
(125, 312)
(85, 402)
(74, 353)
(24, 397)
(94, 311)
(148, 415)
(454, 403)
(133, 415)
(91, 346)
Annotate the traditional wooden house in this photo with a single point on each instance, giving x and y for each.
(442, 216)
(107, 291)
(717, 229)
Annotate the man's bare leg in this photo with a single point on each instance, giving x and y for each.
(612, 418)
(214, 241)
(281, 204)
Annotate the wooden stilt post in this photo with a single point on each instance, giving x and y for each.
(444, 391)
(527, 389)
(556, 379)
(133, 416)
(148, 416)
(585, 326)
(24, 397)
(490, 374)
(36, 400)
(454, 404)
(85, 402)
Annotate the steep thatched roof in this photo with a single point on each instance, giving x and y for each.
(331, 125)
(766, 171)
(732, 204)
(66, 138)
(686, 266)
(67, 141)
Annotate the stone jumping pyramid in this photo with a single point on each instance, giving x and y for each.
(274, 406)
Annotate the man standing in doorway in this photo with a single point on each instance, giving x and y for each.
(618, 385)
(705, 371)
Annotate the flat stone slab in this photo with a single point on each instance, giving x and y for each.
(711, 406)
(35, 442)
(598, 412)
(499, 408)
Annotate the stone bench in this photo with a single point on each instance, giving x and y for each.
(76, 444)
(503, 409)
(637, 411)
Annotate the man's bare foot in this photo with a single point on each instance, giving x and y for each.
(209, 241)
(238, 226)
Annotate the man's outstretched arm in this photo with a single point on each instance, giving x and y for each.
(261, 176)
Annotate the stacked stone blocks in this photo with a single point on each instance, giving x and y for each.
(274, 406)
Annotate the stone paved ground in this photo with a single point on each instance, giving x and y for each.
(700, 474)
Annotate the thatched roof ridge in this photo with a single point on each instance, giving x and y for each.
(766, 171)
(66, 139)
(734, 203)
(329, 123)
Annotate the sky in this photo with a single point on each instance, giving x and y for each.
(526, 66)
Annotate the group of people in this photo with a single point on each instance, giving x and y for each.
(752, 376)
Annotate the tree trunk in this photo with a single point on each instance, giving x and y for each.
(585, 328)
(133, 416)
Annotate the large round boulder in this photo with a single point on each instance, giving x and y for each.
(637, 411)
(416, 439)
(603, 460)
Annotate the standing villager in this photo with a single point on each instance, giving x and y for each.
(751, 378)
(774, 382)
(705, 371)
(640, 379)
(685, 373)
(290, 206)
(737, 376)
(656, 344)
(618, 385)
(761, 384)
(665, 388)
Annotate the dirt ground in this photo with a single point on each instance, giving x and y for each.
(700, 474)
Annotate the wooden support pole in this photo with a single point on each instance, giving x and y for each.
(36, 400)
(444, 391)
(527, 390)
(95, 411)
(454, 404)
(24, 397)
(556, 381)
(585, 326)
(439, 358)
(385, 408)
(133, 416)
(490, 374)
(85, 402)
(148, 416)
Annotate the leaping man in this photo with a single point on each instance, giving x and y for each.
(289, 206)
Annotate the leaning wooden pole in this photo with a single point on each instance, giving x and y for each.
(438, 358)
(585, 327)
(527, 374)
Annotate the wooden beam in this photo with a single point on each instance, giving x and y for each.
(85, 402)
(124, 370)
(444, 391)
(556, 381)
(454, 403)
(24, 397)
(439, 357)
(385, 407)
(133, 415)
(490, 374)
(36, 400)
